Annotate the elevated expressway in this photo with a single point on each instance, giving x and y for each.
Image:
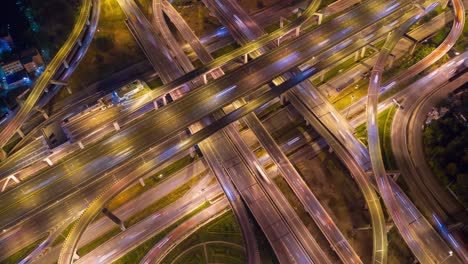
(209, 147)
(187, 103)
(421, 231)
(230, 14)
(59, 68)
(32, 184)
(412, 161)
(293, 246)
(299, 245)
(415, 241)
(238, 207)
(434, 199)
(31, 148)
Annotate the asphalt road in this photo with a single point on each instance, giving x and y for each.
(174, 103)
(414, 240)
(411, 160)
(54, 66)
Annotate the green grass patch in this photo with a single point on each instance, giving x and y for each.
(163, 202)
(136, 190)
(269, 110)
(11, 144)
(224, 50)
(296, 204)
(98, 241)
(139, 252)
(155, 83)
(113, 48)
(350, 94)
(137, 217)
(344, 66)
(63, 234)
(398, 251)
(19, 255)
(385, 119)
(223, 228)
(445, 142)
(224, 253)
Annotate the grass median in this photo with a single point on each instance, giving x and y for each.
(385, 119)
(146, 212)
(135, 255)
(24, 252)
(224, 228)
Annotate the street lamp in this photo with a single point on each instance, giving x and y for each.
(349, 107)
(449, 255)
(202, 191)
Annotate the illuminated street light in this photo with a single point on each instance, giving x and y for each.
(449, 255)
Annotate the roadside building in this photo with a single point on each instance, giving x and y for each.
(14, 74)
(32, 62)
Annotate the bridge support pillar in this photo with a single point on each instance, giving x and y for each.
(76, 256)
(55, 82)
(116, 126)
(392, 60)
(320, 18)
(142, 182)
(298, 31)
(20, 133)
(299, 12)
(413, 48)
(322, 76)
(444, 4)
(282, 19)
(246, 58)
(205, 79)
(155, 104)
(192, 152)
(283, 99)
(65, 64)
(114, 218)
(43, 112)
(45, 115)
(49, 162)
(80, 144)
(10, 178)
(363, 51)
(165, 100)
(356, 55)
(79, 42)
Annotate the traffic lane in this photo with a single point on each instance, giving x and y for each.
(65, 177)
(146, 34)
(305, 195)
(279, 201)
(238, 207)
(173, 104)
(48, 74)
(176, 236)
(271, 223)
(30, 228)
(437, 77)
(129, 239)
(248, 48)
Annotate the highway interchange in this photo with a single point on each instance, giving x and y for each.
(129, 141)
